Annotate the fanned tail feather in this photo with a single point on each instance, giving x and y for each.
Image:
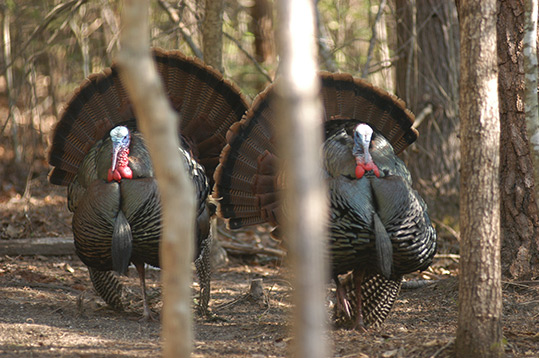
(207, 104)
(347, 100)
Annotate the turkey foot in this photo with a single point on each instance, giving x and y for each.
(343, 305)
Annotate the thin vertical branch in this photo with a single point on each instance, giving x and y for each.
(158, 123)
(9, 85)
(175, 16)
(70, 6)
(374, 36)
(323, 39)
(411, 54)
(110, 19)
(305, 197)
(80, 33)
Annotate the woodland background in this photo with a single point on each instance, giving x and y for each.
(54, 45)
(410, 48)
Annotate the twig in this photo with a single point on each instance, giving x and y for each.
(444, 347)
(411, 54)
(526, 284)
(422, 115)
(249, 56)
(325, 52)
(365, 71)
(48, 19)
(448, 228)
(453, 257)
(230, 303)
(250, 250)
(175, 17)
(256, 293)
(43, 285)
(415, 284)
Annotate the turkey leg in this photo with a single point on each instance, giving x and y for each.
(147, 315)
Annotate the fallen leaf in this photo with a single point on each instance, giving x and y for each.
(389, 354)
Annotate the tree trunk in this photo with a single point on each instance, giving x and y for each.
(17, 150)
(212, 34)
(262, 25)
(305, 197)
(264, 44)
(158, 123)
(479, 332)
(427, 79)
(520, 219)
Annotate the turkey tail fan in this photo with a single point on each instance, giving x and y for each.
(352, 99)
(246, 180)
(206, 102)
(239, 170)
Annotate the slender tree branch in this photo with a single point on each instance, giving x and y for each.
(72, 6)
(365, 71)
(305, 195)
(324, 51)
(158, 123)
(175, 17)
(249, 56)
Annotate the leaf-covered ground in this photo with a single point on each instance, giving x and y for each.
(48, 309)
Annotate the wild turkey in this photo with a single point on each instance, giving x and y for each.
(379, 227)
(99, 155)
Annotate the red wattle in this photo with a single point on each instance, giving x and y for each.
(109, 175)
(361, 168)
(359, 171)
(116, 175)
(125, 172)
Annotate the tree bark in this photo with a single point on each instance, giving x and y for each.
(17, 150)
(264, 43)
(427, 79)
(479, 332)
(158, 123)
(520, 218)
(212, 34)
(262, 25)
(530, 69)
(305, 197)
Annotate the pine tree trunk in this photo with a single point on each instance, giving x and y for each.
(479, 332)
(520, 218)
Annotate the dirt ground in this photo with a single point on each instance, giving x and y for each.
(48, 309)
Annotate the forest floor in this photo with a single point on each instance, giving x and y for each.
(48, 308)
